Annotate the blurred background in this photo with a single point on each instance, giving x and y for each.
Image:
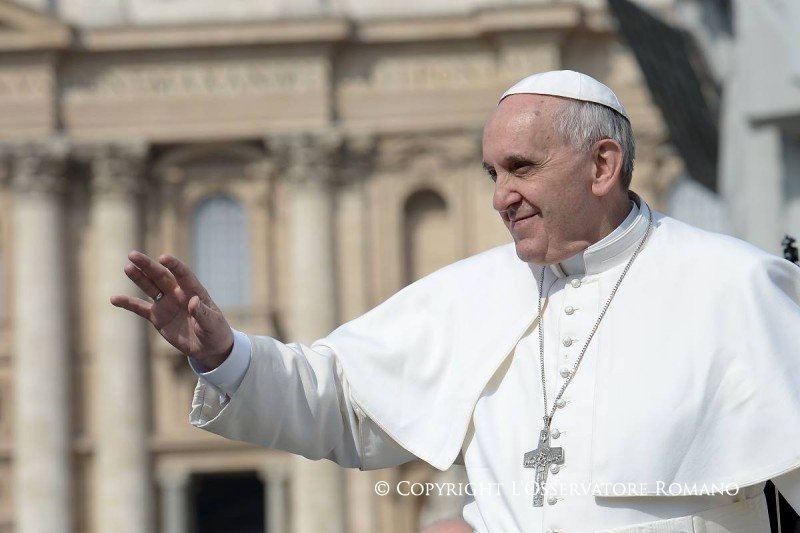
(308, 158)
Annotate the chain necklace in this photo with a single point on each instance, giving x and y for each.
(544, 456)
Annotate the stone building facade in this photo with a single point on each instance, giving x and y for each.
(307, 164)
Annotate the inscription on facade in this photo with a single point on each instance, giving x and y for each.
(432, 73)
(414, 73)
(20, 83)
(196, 78)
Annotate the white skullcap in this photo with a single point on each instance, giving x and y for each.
(569, 84)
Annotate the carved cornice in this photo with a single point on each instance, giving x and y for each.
(38, 167)
(117, 169)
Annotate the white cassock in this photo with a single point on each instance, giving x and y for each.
(691, 384)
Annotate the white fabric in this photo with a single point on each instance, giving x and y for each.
(286, 402)
(569, 84)
(696, 357)
(628, 413)
(511, 405)
(227, 376)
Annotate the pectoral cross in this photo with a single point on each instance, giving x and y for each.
(541, 458)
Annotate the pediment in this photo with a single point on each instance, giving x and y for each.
(23, 28)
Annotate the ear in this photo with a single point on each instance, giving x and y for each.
(607, 159)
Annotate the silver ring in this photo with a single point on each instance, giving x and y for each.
(158, 296)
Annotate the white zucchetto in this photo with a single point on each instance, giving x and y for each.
(569, 84)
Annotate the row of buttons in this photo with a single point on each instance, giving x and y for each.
(560, 403)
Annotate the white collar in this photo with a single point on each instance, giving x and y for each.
(611, 250)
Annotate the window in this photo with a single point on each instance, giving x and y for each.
(220, 246)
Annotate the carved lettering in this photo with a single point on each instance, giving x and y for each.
(198, 78)
(433, 73)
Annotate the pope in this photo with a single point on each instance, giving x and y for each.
(612, 369)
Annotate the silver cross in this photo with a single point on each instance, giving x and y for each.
(541, 458)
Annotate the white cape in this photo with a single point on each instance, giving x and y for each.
(698, 380)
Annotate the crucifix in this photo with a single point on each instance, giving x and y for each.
(541, 458)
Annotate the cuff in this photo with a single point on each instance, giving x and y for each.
(229, 375)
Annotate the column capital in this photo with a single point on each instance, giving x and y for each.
(360, 155)
(38, 167)
(306, 158)
(265, 169)
(116, 168)
(173, 477)
(273, 473)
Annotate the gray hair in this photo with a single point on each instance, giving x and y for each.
(584, 123)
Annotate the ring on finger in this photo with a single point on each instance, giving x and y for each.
(158, 296)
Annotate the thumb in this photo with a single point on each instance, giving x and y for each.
(202, 314)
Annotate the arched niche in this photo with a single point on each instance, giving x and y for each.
(428, 235)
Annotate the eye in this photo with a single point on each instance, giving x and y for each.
(523, 168)
(492, 174)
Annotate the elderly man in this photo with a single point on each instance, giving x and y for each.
(611, 370)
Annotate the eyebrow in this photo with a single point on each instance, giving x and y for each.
(513, 160)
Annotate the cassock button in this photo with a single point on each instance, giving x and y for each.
(575, 283)
(569, 309)
(552, 500)
(555, 433)
(565, 372)
(561, 402)
(567, 342)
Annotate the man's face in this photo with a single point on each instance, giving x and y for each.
(543, 186)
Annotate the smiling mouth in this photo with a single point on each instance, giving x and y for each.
(517, 220)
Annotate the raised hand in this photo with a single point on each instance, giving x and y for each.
(181, 311)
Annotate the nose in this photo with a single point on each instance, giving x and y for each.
(505, 196)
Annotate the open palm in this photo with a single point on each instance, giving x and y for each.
(181, 311)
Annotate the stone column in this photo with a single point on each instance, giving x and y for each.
(275, 500)
(317, 486)
(42, 477)
(174, 502)
(352, 221)
(122, 497)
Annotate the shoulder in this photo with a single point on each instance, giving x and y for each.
(478, 281)
(500, 260)
(706, 253)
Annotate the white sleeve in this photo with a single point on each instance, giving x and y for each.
(297, 399)
(227, 377)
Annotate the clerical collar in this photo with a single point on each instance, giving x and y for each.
(613, 249)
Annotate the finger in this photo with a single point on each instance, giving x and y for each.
(135, 305)
(141, 281)
(158, 274)
(184, 275)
